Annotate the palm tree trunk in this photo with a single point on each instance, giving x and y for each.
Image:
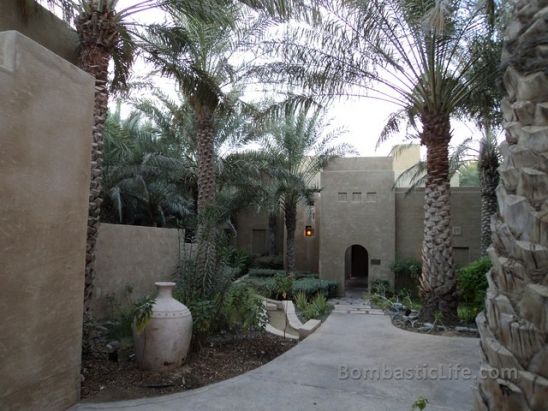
(97, 39)
(489, 180)
(272, 228)
(206, 234)
(514, 327)
(206, 159)
(290, 216)
(437, 281)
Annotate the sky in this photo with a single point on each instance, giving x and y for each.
(362, 118)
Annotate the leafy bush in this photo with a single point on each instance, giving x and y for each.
(274, 262)
(239, 260)
(380, 287)
(301, 301)
(406, 274)
(282, 287)
(265, 272)
(275, 287)
(472, 286)
(242, 310)
(316, 308)
(312, 286)
(407, 267)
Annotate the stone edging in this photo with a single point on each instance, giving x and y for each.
(288, 307)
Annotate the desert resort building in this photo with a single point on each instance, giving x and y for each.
(360, 223)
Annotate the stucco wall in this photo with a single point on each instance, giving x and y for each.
(40, 25)
(249, 220)
(465, 219)
(369, 222)
(307, 249)
(132, 258)
(46, 107)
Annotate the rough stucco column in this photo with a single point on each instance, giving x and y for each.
(46, 107)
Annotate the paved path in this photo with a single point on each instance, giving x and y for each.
(308, 377)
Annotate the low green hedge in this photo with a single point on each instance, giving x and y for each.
(275, 286)
(313, 286)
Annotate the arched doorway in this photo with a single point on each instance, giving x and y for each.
(356, 266)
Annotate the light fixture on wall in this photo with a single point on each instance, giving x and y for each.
(308, 231)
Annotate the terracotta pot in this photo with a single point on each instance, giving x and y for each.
(164, 342)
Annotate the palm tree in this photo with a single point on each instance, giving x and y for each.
(104, 35)
(479, 164)
(488, 164)
(513, 328)
(134, 190)
(294, 151)
(414, 54)
(197, 54)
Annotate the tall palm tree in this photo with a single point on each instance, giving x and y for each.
(295, 149)
(488, 164)
(414, 54)
(485, 163)
(136, 191)
(513, 328)
(104, 34)
(198, 53)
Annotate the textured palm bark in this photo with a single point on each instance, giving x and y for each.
(514, 327)
(489, 179)
(290, 216)
(272, 229)
(206, 159)
(437, 281)
(206, 235)
(98, 34)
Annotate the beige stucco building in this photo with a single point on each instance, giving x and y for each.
(361, 223)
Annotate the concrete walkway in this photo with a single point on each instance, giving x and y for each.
(363, 348)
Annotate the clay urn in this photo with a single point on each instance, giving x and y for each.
(164, 342)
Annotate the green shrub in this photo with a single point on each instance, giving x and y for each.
(316, 308)
(273, 262)
(471, 287)
(380, 287)
(406, 274)
(301, 301)
(312, 286)
(472, 282)
(265, 272)
(301, 274)
(242, 310)
(282, 287)
(239, 260)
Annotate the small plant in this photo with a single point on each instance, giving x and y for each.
(142, 311)
(380, 287)
(471, 287)
(301, 301)
(420, 403)
(282, 286)
(239, 260)
(242, 310)
(315, 309)
(406, 274)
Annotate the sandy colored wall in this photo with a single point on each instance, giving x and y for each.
(465, 218)
(40, 25)
(46, 107)
(369, 222)
(307, 249)
(132, 258)
(249, 220)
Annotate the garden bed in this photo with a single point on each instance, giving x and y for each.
(221, 358)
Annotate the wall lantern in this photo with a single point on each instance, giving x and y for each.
(308, 231)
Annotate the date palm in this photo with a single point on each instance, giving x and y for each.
(295, 148)
(513, 328)
(414, 54)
